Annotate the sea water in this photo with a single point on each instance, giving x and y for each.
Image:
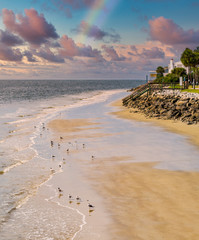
(30, 204)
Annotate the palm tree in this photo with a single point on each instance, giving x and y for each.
(189, 59)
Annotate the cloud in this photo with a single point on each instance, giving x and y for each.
(47, 54)
(153, 53)
(29, 56)
(168, 32)
(9, 54)
(96, 33)
(10, 39)
(90, 31)
(112, 54)
(134, 48)
(70, 49)
(32, 27)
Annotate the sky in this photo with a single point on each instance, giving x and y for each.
(93, 39)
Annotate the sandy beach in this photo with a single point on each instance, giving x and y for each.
(151, 203)
(191, 131)
(143, 202)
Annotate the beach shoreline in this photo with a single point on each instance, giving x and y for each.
(134, 194)
(176, 126)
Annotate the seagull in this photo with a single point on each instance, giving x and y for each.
(91, 208)
(70, 197)
(90, 205)
(78, 198)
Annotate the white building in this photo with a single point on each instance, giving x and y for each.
(173, 65)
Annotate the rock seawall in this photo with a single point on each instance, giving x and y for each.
(167, 105)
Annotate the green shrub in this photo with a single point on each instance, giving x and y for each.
(171, 78)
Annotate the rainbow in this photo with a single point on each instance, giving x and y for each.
(97, 15)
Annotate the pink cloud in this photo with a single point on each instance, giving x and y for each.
(70, 49)
(112, 54)
(168, 32)
(32, 27)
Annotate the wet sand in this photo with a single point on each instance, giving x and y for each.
(145, 203)
(151, 204)
(72, 178)
(70, 125)
(70, 129)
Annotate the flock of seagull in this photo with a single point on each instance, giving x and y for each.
(71, 199)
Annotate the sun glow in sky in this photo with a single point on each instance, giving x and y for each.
(93, 39)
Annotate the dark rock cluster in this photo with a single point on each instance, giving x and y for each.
(166, 106)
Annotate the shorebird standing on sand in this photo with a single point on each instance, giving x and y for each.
(90, 205)
(70, 198)
(78, 200)
(91, 208)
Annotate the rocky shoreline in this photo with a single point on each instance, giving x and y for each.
(167, 104)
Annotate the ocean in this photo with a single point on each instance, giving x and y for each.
(37, 175)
